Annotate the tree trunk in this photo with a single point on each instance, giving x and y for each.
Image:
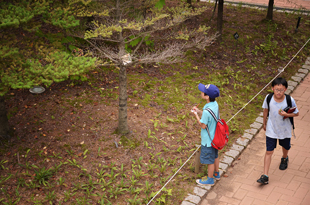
(220, 17)
(4, 123)
(270, 10)
(122, 112)
(189, 2)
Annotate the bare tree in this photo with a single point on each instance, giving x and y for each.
(122, 38)
(220, 17)
(270, 10)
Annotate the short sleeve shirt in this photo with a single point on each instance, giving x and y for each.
(278, 128)
(208, 120)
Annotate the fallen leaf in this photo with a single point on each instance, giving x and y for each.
(82, 142)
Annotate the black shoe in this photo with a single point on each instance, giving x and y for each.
(263, 179)
(283, 164)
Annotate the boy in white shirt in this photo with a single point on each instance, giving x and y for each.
(277, 128)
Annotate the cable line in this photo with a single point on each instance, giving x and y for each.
(280, 71)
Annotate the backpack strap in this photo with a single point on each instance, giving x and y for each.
(268, 101)
(289, 103)
(212, 113)
(216, 119)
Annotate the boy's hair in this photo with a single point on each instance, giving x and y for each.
(279, 81)
(211, 99)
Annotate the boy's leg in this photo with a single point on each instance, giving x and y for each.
(207, 156)
(216, 164)
(267, 161)
(216, 174)
(286, 145)
(271, 144)
(285, 152)
(210, 170)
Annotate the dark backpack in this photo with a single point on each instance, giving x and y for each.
(289, 104)
(221, 132)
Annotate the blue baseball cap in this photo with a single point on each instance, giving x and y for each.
(211, 90)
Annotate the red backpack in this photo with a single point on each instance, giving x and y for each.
(221, 132)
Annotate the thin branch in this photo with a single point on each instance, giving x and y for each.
(138, 46)
(106, 55)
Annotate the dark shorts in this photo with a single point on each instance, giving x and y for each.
(208, 155)
(271, 143)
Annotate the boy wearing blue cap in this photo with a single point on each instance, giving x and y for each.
(209, 155)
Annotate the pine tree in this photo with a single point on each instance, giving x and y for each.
(36, 48)
(150, 34)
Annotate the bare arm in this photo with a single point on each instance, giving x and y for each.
(203, 126)
(265, 114)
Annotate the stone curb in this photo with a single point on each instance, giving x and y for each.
(236, 149)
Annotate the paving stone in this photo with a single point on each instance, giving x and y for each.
(223, 166)
(187, 203)
(261, 114)
(297, 79)
(260, 120)
(206, 187)
(306, 67)
(221, 172)
(290, 87)
(251, 131)
(232, 153)
(288, 91)
(305, 71)
(302, 75)
(227, 160)
(242, 141)
(193, 198)
(248, 136)
(237, 147)
(292, 83)
(256, 125)
(199, 191)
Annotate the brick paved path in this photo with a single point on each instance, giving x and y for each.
(292, 4)
(288, 187)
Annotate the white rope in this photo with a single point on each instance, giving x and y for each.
(269, 82)
(230, 119)
(173, 175)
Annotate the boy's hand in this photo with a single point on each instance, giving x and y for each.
(282, 113)
(195, 109)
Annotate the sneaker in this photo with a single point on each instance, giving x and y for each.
(263, 179)
(205, 181)
(216, 175)
(283, 164)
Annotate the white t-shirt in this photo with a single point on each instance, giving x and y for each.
(278, 128)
